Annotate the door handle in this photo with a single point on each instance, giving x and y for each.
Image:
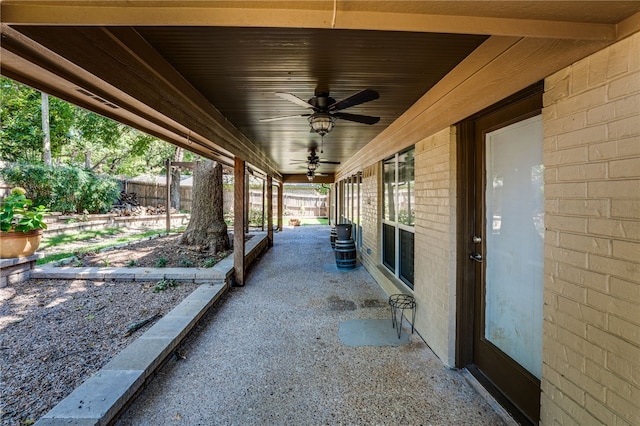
(476, 257)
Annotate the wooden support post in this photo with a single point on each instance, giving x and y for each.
(167, 206)
(239, 197)
(280, 205)
(269, 208)
(247, 201)
(264, 182)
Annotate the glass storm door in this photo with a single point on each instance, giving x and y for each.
(514, 232)
(509, 228)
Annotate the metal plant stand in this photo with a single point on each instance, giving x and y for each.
(398, 303)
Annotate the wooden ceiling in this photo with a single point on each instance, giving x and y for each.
(215, 66)
(239, 70)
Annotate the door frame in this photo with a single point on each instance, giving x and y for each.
(465, 212)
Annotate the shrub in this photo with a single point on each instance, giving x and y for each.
(255, 217)
(65, 189)
(164, 285)
(99, 194)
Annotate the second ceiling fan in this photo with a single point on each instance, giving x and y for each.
(326, 109)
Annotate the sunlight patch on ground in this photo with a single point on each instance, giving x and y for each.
(8, 319)
(6, 294)
(57, 301)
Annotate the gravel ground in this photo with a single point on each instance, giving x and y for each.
(56, 333)
(267, 355)
(271, 355)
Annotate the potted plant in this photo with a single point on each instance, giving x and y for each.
(21, 225)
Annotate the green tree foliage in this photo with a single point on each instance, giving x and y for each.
(110, 147)
(78, 136)
(323, 188)
(21, 117)
(65, 189)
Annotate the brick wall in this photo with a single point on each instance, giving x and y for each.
(435, 186)
(370, 254)
(591, 371)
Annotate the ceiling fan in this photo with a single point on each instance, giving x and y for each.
(312, 162)
(326, 109)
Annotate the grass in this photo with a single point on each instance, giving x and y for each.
(314, 221)
(62, 239)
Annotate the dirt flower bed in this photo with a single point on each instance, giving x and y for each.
(56, 333)
(157, 252)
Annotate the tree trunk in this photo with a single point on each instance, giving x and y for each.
(175, 180)
(46, 142)
(206, 227)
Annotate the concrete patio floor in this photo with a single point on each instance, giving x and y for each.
(270, 354)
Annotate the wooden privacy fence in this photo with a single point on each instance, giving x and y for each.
(152, 194)
(294, 204)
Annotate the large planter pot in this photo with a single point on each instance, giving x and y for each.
(19, 244)
(344, 231)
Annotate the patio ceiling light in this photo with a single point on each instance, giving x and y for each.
(321, 123)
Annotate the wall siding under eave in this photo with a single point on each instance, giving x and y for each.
(435, 249)
(435, 231)
(591, 346)
(591, 343)
(370, 254)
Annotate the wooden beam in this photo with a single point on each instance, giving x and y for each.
(269, 211)
(629, 26)
(238, 220)
(183, 164)
(298, 178)
(361, 16)
(146, 92)
(28, 70)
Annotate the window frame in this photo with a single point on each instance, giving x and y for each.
(397, 269)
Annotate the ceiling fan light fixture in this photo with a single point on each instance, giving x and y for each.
(312, 166)
(321, 123)
(310, 175)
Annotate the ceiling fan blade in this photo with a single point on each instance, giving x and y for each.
(293, 98)
(361, 97)
(328, 162)
(364, 119)
(284, 117)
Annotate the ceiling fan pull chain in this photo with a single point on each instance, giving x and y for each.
(321, 144)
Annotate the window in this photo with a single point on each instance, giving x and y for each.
(398, 203)
(350, 200)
